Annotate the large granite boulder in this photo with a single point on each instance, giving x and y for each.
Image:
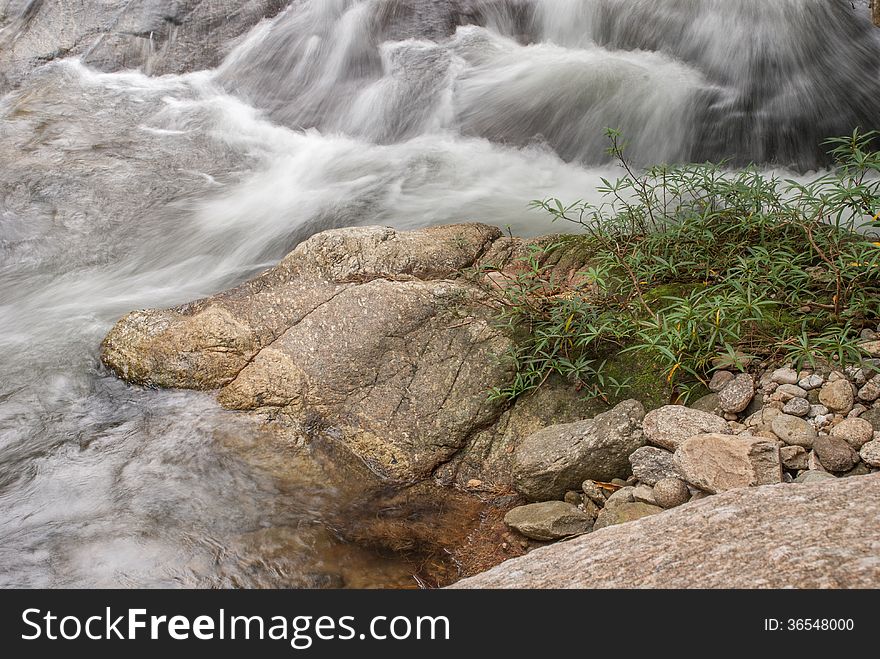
(821, 535)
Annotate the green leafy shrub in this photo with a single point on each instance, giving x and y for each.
(695, 266)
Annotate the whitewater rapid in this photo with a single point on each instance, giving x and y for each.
(120, 191)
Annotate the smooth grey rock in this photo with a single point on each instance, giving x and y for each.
(547, 521)
(793, 430)
(671, 493)
(651, 464)
(784, 376)
(716, 463)
(737, 394)
(560, 458)
(623, 513)
(821, 535)
(670, 425)
(786, 392)
(814, 477)
(709, 404)
(644, 494)
(621, 496)
(811, 382)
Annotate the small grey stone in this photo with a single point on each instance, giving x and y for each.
(813, 477)
(594, 493)
(837, 396)
(793, 457)
(861, 469)
(651, 465)
(786, 392)
(645, 494)
(550, 520)
(671, 493)
(857, 411)
(835, 454)
(719, 380)
(625, 512)
(793, 430)
(623, 495)
(870, 453)
(817, 410)
(797, 407)
(708, 404)
(574, 498)
(737, 394)
(856, 432)
(811, 382)
(784, 376)
(871, 390)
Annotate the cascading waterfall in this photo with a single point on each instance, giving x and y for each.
(122, 191)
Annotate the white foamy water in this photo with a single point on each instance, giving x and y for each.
(121, 191)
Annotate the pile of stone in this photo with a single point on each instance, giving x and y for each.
(781, 426)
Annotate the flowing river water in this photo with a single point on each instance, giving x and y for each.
(121, 191)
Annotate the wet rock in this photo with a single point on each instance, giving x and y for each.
(835, 454)
(671, 493)
(651, 465)
(157, 36)
(737, 394)
(837, 396)
(670, 425)
(716, 463)
(623, 513)
(548, 521)
(856, 432)
(793, 457)
(793, 430)
(870, 453)
(559, 458)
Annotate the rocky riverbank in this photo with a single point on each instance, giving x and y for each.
(381, 346)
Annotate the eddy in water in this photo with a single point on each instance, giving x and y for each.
(153, 155)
